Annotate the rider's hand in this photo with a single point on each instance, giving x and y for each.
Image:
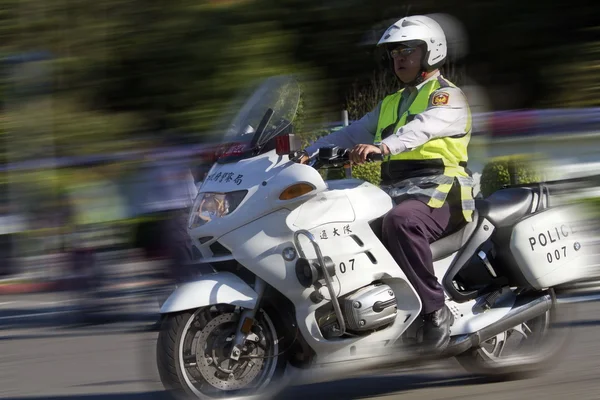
(359, 153)
(301, 157)
(304, 159)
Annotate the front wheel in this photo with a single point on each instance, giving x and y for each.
(193, 354)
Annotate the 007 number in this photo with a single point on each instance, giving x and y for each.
(343, 267)
(557, 254)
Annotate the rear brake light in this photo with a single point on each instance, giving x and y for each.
(235, 149)
(229, 149)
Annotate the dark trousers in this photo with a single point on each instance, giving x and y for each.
(407, 231)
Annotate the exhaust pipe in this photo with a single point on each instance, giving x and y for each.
(525, 308)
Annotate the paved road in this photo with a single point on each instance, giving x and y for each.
(42, 358)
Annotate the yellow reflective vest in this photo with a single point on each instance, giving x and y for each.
(428, 171)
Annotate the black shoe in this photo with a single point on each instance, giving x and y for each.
(436, 329)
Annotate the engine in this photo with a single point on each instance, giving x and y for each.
(367, 309)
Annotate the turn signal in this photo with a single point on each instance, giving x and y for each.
(296, 190)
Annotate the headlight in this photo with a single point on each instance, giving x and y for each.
(209, 206)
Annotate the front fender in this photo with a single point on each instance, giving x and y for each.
(217, 288)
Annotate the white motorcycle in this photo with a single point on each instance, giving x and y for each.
(303, 285)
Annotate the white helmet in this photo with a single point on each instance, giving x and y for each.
(422, 30)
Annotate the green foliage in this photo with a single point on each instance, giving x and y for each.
(364, 96)
(65, 127)
(331, 174)
(132, 66)
(496, 172)
(370, 172)
(572, 80)
(590, 207)
(310, 111)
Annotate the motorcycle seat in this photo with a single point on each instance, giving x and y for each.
(505, 207)
(454, 241)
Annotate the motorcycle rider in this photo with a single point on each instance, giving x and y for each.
(423, 132)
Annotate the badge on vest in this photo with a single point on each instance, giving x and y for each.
(440, 99)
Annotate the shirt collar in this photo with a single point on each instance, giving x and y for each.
(432, 77)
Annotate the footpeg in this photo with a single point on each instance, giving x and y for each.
(488, 301)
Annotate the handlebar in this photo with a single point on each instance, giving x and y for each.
(331, 157)
(335, 156)
(375, 157)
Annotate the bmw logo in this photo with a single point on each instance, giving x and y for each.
(577, 246)
(289, 253)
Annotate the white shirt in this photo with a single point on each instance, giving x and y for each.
(436, 121)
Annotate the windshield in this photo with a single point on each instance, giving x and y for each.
(269, 111)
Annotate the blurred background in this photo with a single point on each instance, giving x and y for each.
(109, 109)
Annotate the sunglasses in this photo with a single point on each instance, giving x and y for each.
(402, 52)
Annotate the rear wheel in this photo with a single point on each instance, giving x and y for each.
(193, 354)
(521, 352)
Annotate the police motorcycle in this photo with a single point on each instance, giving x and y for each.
(301, 284)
